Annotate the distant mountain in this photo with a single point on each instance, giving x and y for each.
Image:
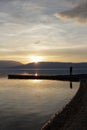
(51, 65)
(9, 63)
(40, 65)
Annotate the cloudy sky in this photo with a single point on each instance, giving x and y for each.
(55, 30)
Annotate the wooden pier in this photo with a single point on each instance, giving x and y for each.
(72, 78)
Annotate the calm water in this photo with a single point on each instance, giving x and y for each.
(60, 71)
(28, 104)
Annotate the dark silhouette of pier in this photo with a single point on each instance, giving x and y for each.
(72, 78)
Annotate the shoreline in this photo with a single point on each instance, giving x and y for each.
(74, 115)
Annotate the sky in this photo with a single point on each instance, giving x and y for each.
(53, 30)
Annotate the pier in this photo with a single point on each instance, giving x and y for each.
(72, 78)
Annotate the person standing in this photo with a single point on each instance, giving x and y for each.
(71, 70)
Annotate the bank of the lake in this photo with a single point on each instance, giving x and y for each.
(74, 115)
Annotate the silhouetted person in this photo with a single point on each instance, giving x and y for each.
(71, 85)
(70, 70)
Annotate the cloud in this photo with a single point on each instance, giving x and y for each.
(78, 13)
(19, 11)
(37, 42)
(75, 2)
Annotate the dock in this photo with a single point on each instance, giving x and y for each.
(76, 77)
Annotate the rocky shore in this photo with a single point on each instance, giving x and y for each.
(74, 115)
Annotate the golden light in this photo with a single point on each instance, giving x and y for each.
(36, 74)
(36, 81)
(36, 59)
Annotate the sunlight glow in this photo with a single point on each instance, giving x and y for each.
(36, 59)
(36, 81)
(36, 74)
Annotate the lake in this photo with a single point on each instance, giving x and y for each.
(28, 104)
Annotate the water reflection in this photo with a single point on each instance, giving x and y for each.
(36, 81)
(27, 104)
(36, 74)
(71, 86)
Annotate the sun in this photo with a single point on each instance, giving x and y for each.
(36, 59)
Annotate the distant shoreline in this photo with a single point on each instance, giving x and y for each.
(74, 115)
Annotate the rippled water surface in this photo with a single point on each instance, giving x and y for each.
(28, 104)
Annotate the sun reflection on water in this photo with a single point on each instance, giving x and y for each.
(36, 81)
(36, 74)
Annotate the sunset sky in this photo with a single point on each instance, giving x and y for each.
(53, 30)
